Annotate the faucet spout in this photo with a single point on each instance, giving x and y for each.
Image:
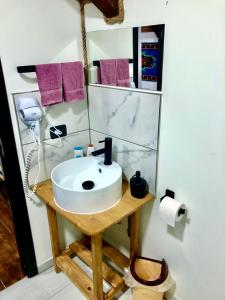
(98, 152)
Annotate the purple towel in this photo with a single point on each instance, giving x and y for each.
(108, 71)
(122, 71)
(115, 72)
(49, 78)
(73, 81)
(123, 82)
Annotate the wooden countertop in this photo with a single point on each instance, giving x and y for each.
(93, 224)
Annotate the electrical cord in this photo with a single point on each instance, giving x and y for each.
(29, 194)
(58, 133)
(28, 160)
(39, 166)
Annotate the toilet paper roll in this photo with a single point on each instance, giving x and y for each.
(169, 211)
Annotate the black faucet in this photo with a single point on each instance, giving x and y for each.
(107, 150)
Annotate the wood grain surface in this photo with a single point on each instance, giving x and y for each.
(10, 268)
(94, 224)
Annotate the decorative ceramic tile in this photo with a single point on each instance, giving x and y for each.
(74, 115)
(131, 157)
(132, 116)
(53, 152)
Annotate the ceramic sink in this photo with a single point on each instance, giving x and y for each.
(86, 186)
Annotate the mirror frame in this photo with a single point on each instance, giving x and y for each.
(159, 30)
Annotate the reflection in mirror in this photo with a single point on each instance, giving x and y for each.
(128, 57)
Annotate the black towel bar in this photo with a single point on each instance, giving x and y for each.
(97, 62)
(32, 68)
(26, 69)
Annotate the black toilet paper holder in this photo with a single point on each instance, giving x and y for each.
(171, 194)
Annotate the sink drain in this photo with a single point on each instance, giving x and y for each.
(88, 185)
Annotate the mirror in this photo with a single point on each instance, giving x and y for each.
(127, 57)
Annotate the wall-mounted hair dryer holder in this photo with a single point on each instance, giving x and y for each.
(30, 113)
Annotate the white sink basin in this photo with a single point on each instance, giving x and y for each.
(70, 195)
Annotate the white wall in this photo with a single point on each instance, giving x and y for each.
(102, 45)
(34, 32)
(192, 144)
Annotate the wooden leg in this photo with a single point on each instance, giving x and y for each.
(96, 248)
(53, 228)
(134, 239)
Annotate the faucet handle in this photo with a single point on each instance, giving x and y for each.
(107, 139)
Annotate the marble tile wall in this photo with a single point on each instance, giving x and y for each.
(132, 116)
(131, 157)
(74, 115)
(132, 119)
(53, 152)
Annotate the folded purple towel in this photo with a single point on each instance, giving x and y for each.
(122, 69)
(108, 71)
(115, 72)
(73, 81)
(49, 78)
(123, 82)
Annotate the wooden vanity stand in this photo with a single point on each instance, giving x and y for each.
(92, 248)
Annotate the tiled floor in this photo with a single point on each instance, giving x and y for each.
(47, 285)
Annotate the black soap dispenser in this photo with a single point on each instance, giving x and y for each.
(138, 186)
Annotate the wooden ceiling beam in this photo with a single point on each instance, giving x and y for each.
(109, 8)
